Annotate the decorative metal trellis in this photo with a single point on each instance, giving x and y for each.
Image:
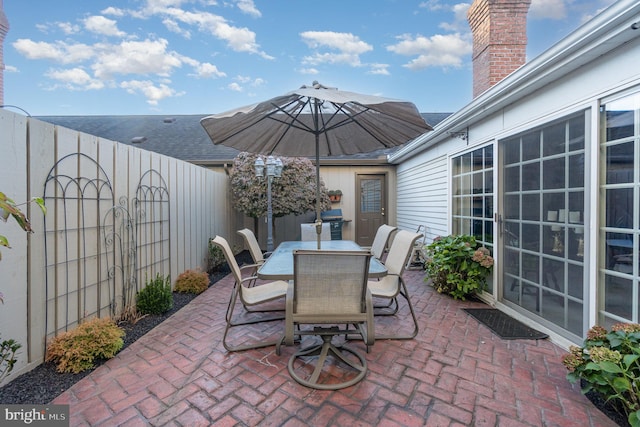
(120, 240)
(76, 258)
(96, 252)
(152, 209)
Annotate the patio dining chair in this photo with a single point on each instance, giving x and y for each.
(329, 289)
(254, 249)
(308, 232)
(392, 285)
(380, 240)
(249, 296)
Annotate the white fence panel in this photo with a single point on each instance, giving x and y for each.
(60, 274)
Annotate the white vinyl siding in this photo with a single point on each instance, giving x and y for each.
(422, 197)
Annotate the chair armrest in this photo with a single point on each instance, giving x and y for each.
(252, 267)
(250, 279)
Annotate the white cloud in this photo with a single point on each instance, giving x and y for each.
(432, 5)
(75, 79)
(11, 69)
(104, 26)
(114, 11)
(345, 48)
(238, 39)
(547, 9)
(153, 93)
(44, 28)
(345, 42)
(379, 69)
(310, 71)
(175, 28)
(58, 51)
(207, 71)
(435, 51)
(248, 7)
(241, 82)
(68, 28)
(136, 57)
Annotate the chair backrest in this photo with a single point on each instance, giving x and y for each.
(330, 286)
(380, 240)
(222, 243)
(308, 232)
(400, 251)
(252, 243)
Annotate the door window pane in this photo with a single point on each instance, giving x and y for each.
(576, 171)
(553, 138)
(371, 193)
(619, 208)
(544, 205)
(620, 163)
(619, 280)
(621, 116)
(553, 171)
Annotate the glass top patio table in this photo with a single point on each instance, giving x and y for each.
(279, 266)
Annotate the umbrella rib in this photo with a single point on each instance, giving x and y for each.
(294, 120)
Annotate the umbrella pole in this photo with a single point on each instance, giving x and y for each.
(318, 217)
(316, 109)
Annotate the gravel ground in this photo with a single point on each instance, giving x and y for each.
(43, 384)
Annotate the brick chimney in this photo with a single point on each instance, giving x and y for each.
(4, 29)
(499, 29)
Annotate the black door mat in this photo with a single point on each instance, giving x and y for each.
(506, 327)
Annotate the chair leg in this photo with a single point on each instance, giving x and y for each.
(405, 294)
(230, 324)
(383, 309)
(325, 349)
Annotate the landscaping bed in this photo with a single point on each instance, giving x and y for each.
(43, 384)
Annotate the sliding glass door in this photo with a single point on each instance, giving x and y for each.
(541, 220)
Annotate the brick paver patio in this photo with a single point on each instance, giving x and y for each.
(454, 373)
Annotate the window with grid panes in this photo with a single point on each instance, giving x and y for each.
(472, 196)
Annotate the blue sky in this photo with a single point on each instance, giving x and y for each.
(79, 57)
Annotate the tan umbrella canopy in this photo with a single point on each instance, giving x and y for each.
(317, 121)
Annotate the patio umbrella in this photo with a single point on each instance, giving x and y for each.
(317, 121)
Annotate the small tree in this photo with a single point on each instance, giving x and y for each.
(293, 193)
(9, 348)
(9, 208)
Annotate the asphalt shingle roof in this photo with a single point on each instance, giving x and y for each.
(178, 136)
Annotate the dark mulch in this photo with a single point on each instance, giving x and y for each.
(610, 409)
(43, 384)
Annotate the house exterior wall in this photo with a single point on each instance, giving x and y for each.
(422, 195)
(563, 94)
(343, 178)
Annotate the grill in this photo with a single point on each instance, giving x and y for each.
(334, 218)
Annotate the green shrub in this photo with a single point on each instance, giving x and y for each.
(76, 351)
(215, 258)
(192, 281)
(156, 297)
(457, 265)
(608, 363)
